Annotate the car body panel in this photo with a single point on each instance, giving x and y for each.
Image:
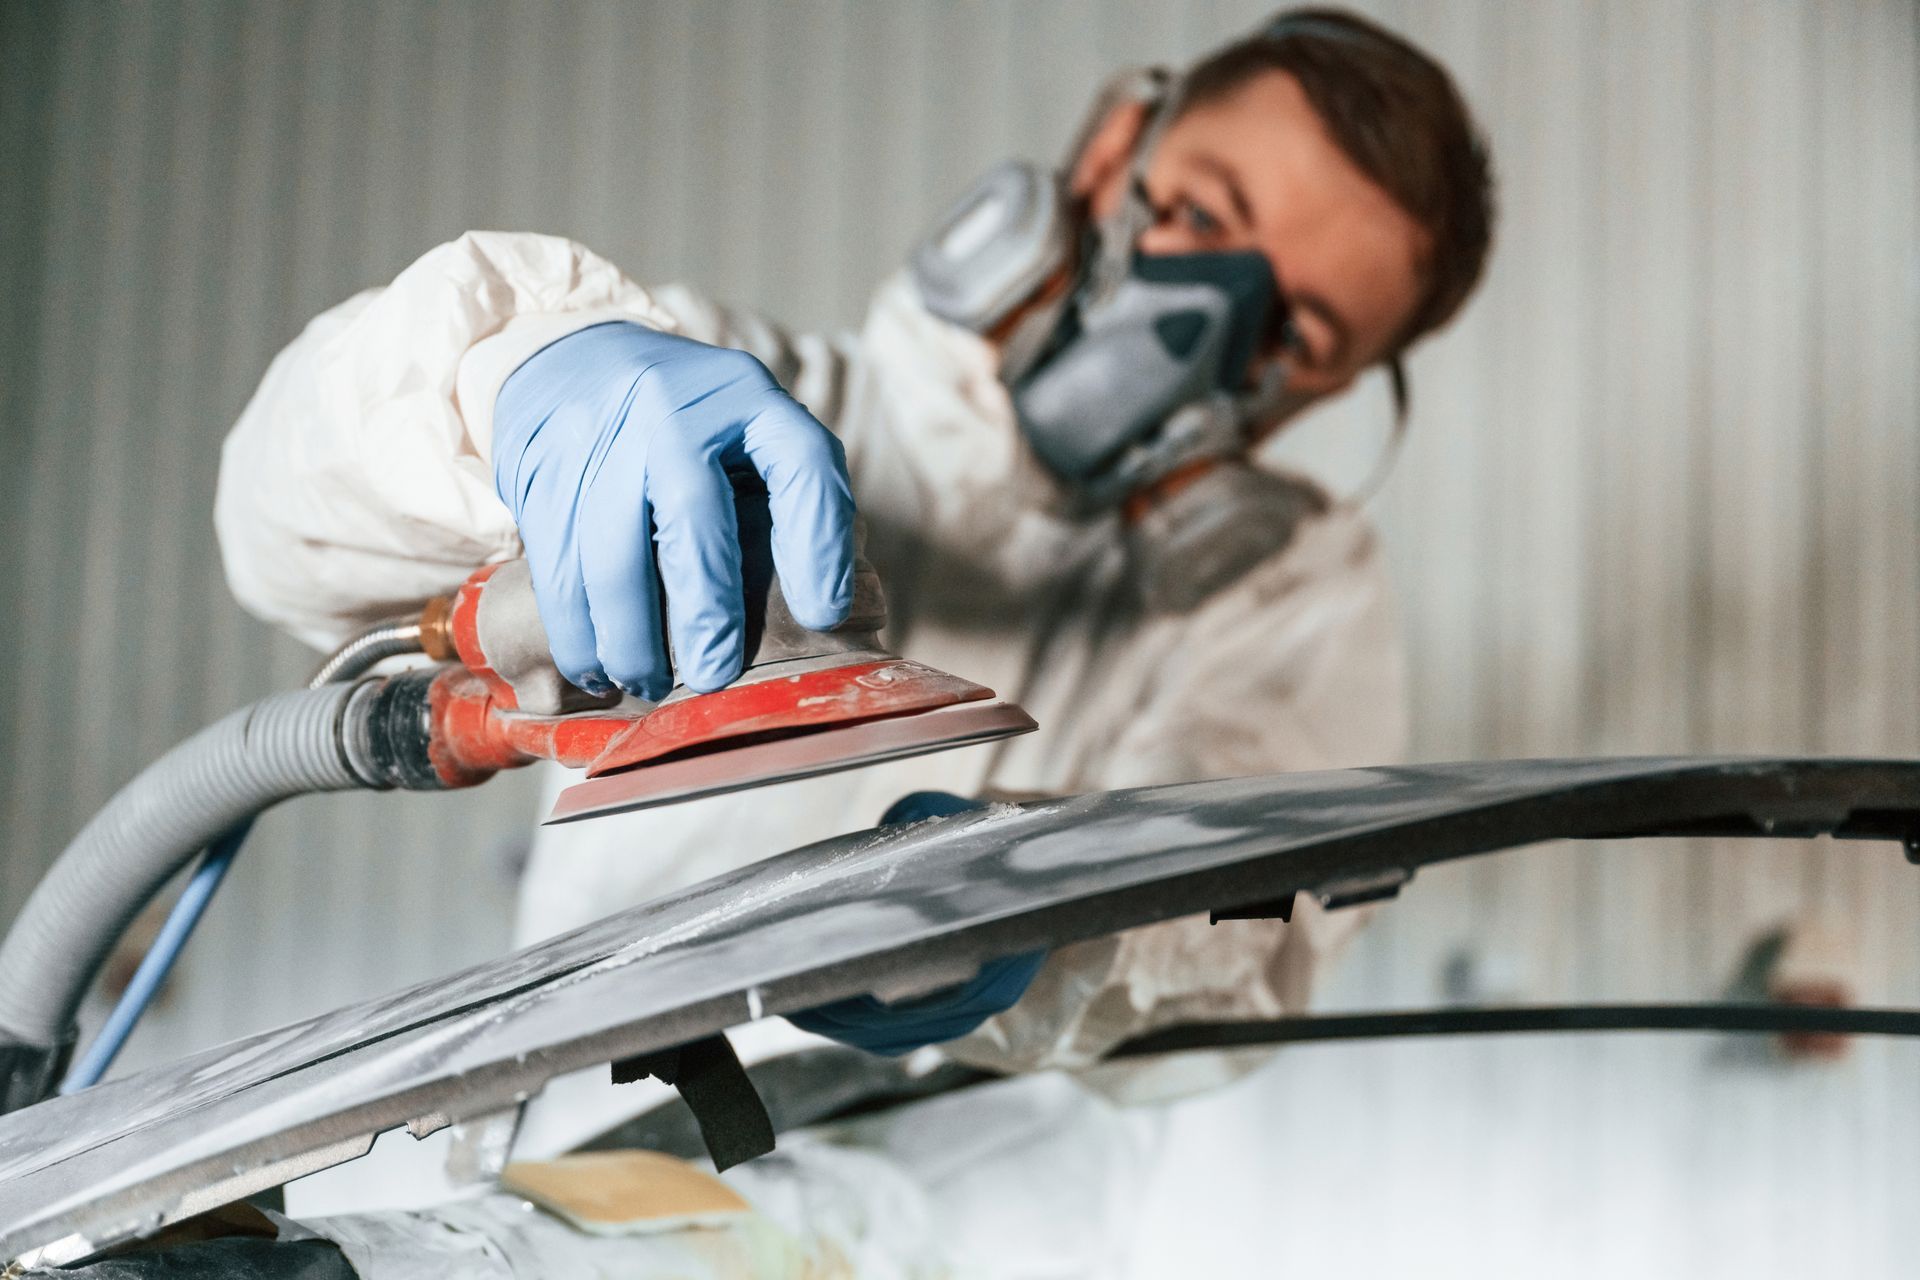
(921, 905)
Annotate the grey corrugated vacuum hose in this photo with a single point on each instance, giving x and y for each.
(282, 746)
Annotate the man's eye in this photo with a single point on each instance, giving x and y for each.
(1285, 339)
(1199, 221)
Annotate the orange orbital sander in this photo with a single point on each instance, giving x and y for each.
(809, 702)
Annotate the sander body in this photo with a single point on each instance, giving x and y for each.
(809, 702)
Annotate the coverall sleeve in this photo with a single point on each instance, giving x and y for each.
(1297, 667)
(358, 482)
(814, 368)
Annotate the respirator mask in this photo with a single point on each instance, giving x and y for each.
(1132, 385)
(1140, 366)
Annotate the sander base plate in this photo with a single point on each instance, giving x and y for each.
(805, 755)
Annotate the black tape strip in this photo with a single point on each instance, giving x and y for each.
(707, 1073)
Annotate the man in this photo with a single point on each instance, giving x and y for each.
(1046, 426)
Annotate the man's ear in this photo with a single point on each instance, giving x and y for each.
(1100, 174)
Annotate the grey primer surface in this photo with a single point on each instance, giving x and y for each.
(922, 905)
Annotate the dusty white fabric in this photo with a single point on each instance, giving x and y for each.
(357, 482)
(353, 486)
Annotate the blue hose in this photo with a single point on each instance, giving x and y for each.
(157, 963)
(358, 655)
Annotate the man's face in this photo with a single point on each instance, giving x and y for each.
(1257, 170)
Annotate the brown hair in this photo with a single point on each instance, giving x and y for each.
(1396, 114)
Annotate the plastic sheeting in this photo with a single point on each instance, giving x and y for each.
(254, 1259)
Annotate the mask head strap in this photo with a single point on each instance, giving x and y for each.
(1107, 253)
(1390, 455)
(1157, 90)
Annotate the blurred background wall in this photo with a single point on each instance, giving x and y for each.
(1660, 496)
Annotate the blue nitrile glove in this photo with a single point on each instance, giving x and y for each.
(611, 447)
(867, 1022)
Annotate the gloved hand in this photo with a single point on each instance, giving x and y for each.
(610, 447)
(867, 1022)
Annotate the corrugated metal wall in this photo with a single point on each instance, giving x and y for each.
(1661, 495)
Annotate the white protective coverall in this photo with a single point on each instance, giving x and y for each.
(357, 483)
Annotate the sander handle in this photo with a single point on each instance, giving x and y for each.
(491, 625)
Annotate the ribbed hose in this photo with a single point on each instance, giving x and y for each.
(367, 650)
(281, 746)
(24, 1079)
